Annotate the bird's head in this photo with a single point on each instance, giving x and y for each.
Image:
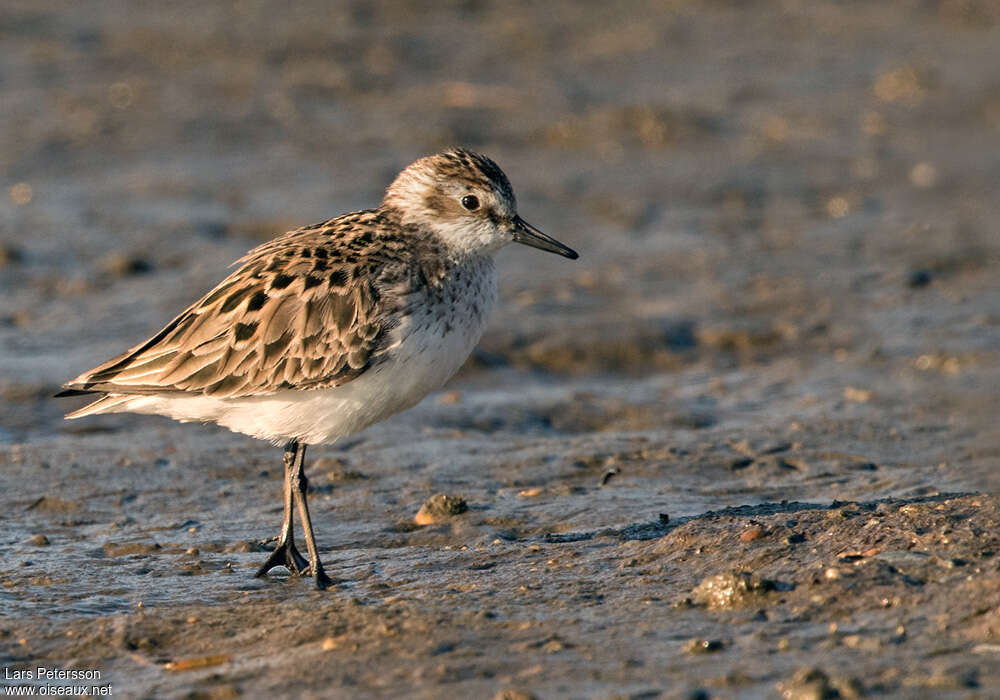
(466, 200)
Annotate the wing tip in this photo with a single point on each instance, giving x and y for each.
(103, 404)
(73, 392)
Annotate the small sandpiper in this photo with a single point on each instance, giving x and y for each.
(330, 328)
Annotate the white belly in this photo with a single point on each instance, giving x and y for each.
(429, 347)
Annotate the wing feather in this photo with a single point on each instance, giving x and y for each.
(289, 317)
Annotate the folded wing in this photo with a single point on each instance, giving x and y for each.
(296, 315)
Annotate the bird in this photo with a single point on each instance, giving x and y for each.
(330, 328)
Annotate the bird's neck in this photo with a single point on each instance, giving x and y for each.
(452, 246)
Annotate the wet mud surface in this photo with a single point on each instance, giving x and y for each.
(747, 446)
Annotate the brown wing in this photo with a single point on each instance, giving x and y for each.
(304, 311)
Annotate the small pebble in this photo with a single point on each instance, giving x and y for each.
(513, 694)
(450, 397)
(703, 646)
(919, 278)
(198, 663)
(923, 175)
(243, 547)
(440, 507)
(9, 255)
(807, 684)
(857, 395)
(731, 590)
(39, 541)
(122, 265)
(741, 463)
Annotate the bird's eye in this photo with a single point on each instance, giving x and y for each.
(470, 202)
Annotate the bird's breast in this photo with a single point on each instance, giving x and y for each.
(444, 323)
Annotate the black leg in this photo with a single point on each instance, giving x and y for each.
(300, 486)
(285, 554)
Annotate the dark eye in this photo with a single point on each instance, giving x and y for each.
(470, 202)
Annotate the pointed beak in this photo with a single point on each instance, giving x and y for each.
(529, 235)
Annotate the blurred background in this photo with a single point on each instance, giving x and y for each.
(787, 215)
(746, 181)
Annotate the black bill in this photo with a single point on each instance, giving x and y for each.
(529, 235)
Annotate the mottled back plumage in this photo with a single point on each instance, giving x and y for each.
(307, 310)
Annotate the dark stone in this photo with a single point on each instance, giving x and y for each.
(919, 278)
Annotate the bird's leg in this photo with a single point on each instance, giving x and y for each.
(299, 487)
(285, 554)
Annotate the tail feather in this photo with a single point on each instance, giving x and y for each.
(106, 404)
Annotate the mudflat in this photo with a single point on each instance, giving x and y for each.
(746, 446)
